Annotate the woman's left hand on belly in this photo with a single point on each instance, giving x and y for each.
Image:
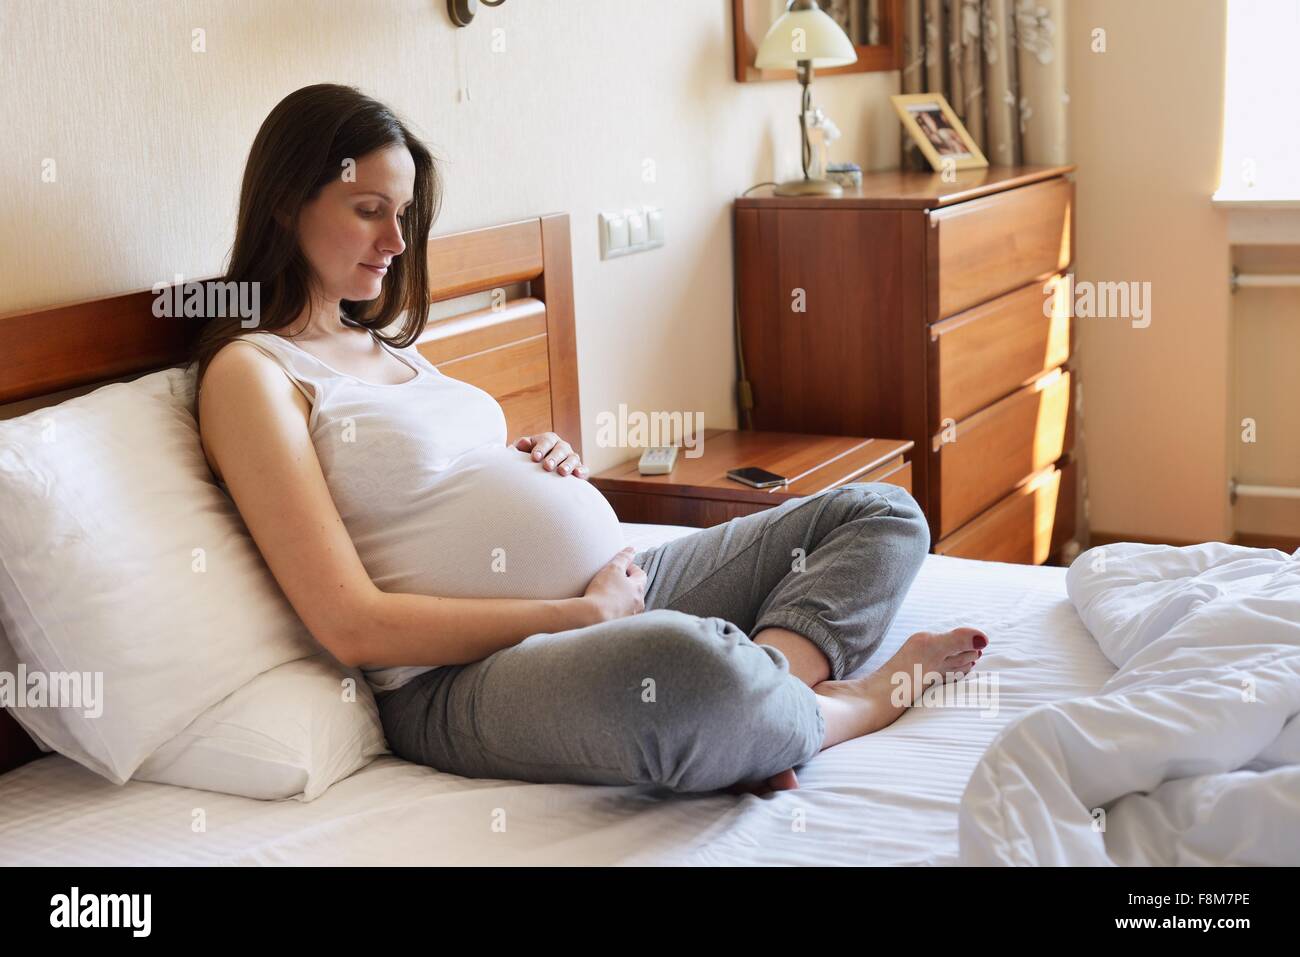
(559, 454)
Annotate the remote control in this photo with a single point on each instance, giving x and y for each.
(657, 460)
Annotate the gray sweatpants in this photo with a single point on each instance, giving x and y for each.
(678, 696)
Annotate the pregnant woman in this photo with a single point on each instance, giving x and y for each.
(482, 587)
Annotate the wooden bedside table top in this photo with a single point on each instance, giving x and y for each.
(911, 189)
(813, 463)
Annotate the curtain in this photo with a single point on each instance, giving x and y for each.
(860, 19)
(1001, 66)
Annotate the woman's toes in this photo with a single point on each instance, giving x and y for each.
(963, 659)
(965, 639)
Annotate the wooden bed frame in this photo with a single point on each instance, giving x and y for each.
(521, 350)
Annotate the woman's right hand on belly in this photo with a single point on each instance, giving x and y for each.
(618, 589)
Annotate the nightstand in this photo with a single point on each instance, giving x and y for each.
(935, 311)
(697, 491)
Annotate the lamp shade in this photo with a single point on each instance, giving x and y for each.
(804, 32)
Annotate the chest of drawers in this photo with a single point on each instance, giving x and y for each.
(928, 311)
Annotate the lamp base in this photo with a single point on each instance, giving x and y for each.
(808, 187)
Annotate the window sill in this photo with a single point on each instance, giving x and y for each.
(1260, 221)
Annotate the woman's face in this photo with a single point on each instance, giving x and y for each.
(355, 222)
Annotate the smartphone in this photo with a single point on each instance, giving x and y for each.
(758, 478)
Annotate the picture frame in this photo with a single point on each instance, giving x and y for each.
(879, 48)
(937, 131)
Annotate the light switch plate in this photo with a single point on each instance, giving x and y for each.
(654, 219)
(630, 230)
(617, 232)
(636, 229)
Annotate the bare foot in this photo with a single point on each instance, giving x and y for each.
(858, 706)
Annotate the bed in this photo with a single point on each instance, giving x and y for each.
(888, 798)
(505, 322)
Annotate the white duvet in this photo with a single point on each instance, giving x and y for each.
(1190, 753)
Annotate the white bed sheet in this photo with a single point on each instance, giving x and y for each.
(888, 798)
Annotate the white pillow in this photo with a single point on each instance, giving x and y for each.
(289, 733)
(9, 666)
(121, 557)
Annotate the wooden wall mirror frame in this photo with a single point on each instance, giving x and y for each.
(753, 18)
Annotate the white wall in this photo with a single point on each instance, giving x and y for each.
(150, 140)
(1145, 131)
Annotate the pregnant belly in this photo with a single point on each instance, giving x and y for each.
(498, 525)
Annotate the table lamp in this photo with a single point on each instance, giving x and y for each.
(804, 37)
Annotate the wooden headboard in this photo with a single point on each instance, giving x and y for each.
(520, 348)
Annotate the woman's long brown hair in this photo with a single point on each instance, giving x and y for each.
(300, 148)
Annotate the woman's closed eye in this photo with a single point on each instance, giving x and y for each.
(375, 212)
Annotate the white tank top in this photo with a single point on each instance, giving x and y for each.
(434, 499)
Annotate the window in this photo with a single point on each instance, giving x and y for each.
(1261, 122)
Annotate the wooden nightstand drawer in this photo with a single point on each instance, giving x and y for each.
(671, 510)
(995, 449)
(707, 512)
(912, 302)
(698, 492)
(985, 353)
(991, 245)
(898, 472)
(1027, 527)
